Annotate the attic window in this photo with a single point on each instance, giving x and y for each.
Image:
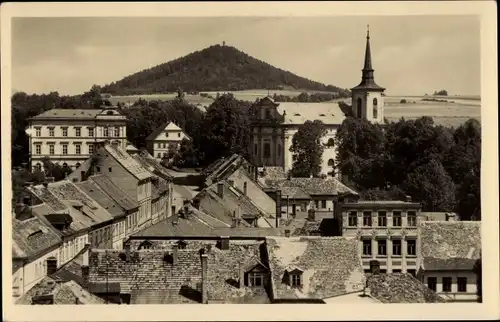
(109, 112)
(296, 114)
(35, 234)
(145, 245)
(322, 114)
(294, 277)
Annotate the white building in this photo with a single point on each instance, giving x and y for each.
(67, 136)
(164, 137)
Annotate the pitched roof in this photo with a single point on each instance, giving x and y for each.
(294, 193)
(114, 192)
(149, 272)
(299, 113)
(72, 270)
(313, 186)
(452, 264)
(153, 166)
(42, 193)
(69, 193)
(450, 243)
(128, 162)
(167, 126)
(63, 293)
(331, 266)
(32, 237)
(58, 113)
(97, 194)
(400, 288)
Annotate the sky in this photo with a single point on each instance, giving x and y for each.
(411, 55)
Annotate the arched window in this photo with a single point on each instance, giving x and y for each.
(38, 167)
(77, 165)
(330, 142)
(330, 163)
(65, 165)
(360, 108)
(375, 108)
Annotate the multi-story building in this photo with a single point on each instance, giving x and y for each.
(165, 137)
(388, 231)
(68, 136)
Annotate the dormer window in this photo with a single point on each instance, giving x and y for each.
(294, 278)
(181, 244)
(145, 245)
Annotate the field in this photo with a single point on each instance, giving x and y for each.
(455, 111)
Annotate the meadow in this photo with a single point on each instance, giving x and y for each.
(455, 111)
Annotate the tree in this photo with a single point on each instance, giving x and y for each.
(442, 92)
(394, 193)
(54, 170)
(187, 156)
(308, 149)
(432, 186)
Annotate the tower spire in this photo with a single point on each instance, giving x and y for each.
(368, 53)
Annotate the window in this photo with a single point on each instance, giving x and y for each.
(64, 131)
(446, 284)
(382, 247)
(255, 279)
(91, 131)
(64, 149)
(432, 283)
(375, 108)
(396, 218)
(367, 218)
(411, 245)
(330, 142)
(166, 134)
(159, 155)
(323, 204)
(98, 169)
(360, 107)
(38, 149)
(396, 271)
(396, 247)
(51, 131)
(78, 149)
(245, 188)
(267, 150)
(109, 169)
(413, 272)
(412, 218)
(51, 149)
(38, 131)
(331, 163)
(117, 131)
(38, 166)
(268, 114)
(105, 131)
(295, 280)
(462, 284)
(77, 131)
(91, 148)
(367, 247)
(178, 135)
(382, 219)
(353, 219)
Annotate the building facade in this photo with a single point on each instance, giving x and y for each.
(164, 138)
(387, 230)
(68, 136)
(367, 97)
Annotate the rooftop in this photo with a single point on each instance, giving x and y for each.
(57, 113)
(115, 192)
(97, 194)
(32, 237)
(128, 162)
(330, 266)
(313, 186)
(167, 126)
(450, 244)
(299, 113)
(400, 288)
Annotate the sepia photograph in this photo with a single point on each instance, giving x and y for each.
(248, 159)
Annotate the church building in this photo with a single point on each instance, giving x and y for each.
(275, 123)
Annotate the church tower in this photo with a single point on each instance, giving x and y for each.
(367, 99)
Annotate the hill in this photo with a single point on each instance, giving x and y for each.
(216, 68)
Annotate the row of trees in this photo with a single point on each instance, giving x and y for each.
(310, 98)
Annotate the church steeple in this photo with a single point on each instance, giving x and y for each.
(367, 79)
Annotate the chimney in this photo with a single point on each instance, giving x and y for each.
(196, 203)
(51, 265)
(126, 247)
(204, 278)
(175, 254)
(220, 190)
(408, 198)
(287, 232)
(85, 276)
(311, 214)
(175, 219)
(242, 276)
(375, 267)
(278, 207)
(224, 242)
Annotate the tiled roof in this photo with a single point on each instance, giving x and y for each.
(184, 227)
(69, 113)
(63, 293)
(436, 216)
(167, 126)
(313, 186)
(69, 192)
(448, 241)
(212, 204)
(331, 266)
(128, 162)
(96, 193)
(452, 264)
(294, 193)
(32, 237)
(150, 163)
(400, 288)
(115, 192)
(185, 192)
(274, 173)
(223, 273)
(72, 270)
(46, 196)
(299, 113)
(149, 272)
